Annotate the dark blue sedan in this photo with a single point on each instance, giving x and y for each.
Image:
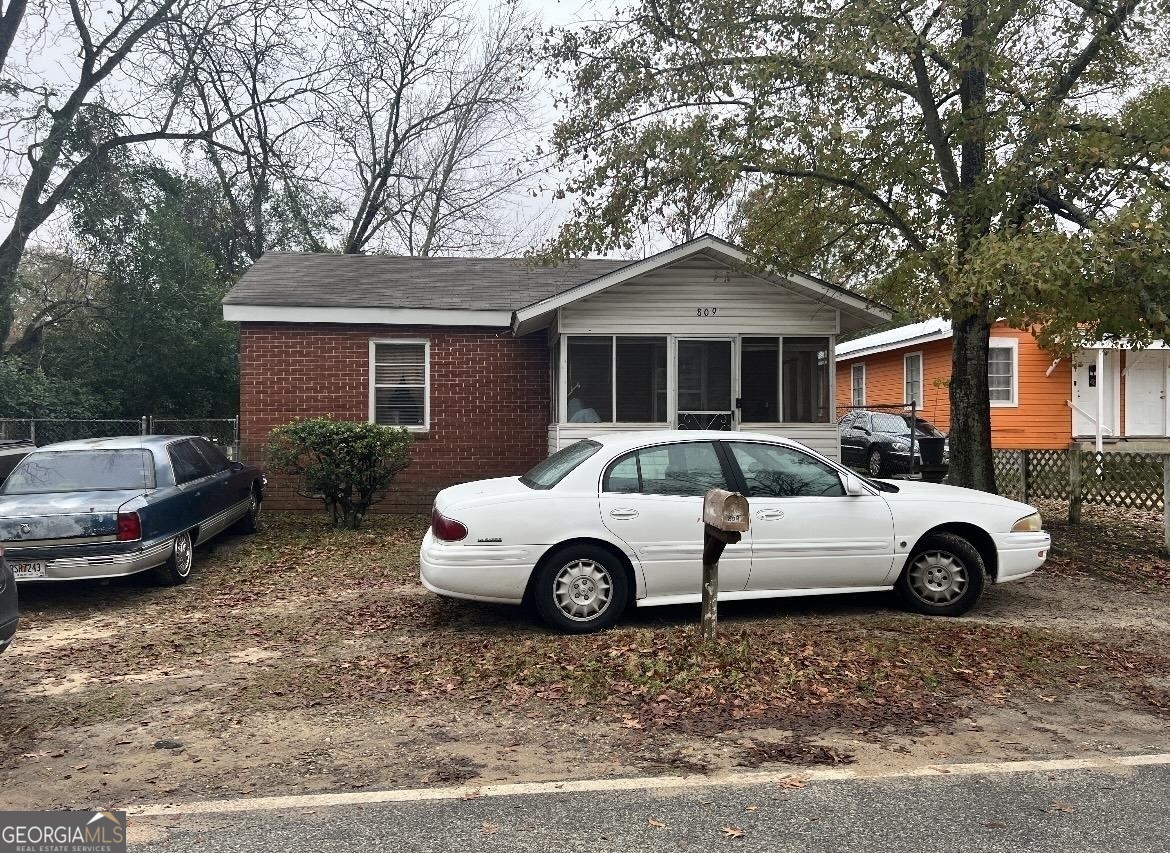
(9, 604)
(108, 507)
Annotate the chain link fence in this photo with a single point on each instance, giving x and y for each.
(224, 432)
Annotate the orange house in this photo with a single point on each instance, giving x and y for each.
(1037, 401)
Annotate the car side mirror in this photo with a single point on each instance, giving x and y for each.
(854, 488)
(237, 466)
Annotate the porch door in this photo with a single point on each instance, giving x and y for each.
(705, 382)
(1147, 374)
(1086, 384)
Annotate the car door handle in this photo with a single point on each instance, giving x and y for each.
(769, 514)
(623, 513)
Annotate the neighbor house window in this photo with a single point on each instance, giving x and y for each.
(913, 379)
(615, 379)
(1001, 371)
(858, 377)
(399, 379)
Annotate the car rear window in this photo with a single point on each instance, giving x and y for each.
(81, 470)
(558, 466)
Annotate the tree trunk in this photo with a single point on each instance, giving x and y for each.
(10, 254)
(971, 463)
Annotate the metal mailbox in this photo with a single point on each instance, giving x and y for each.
(726, 511)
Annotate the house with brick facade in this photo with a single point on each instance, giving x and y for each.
(494, 363)
(1038, 401)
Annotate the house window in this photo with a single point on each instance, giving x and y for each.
(784, 380)
(913, 379)
(399, 372)
(805, 380)
(616, 379)
(1001, 371)
(759, 380)
(858, 376)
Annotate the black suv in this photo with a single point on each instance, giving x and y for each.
(879, 442)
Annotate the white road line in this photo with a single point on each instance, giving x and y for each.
(647, 783)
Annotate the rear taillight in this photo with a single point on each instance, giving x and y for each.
(447, 529)
(129, 527)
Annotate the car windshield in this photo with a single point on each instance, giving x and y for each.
(900, 425)
(554, 469)
(80, 470)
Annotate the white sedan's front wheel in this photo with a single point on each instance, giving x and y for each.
(581, 589)
(943, 577)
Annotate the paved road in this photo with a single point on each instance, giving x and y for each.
(1099, 810)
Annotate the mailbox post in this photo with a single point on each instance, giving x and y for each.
(725, 520)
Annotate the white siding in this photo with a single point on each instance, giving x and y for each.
(823, 438)
(672, 299)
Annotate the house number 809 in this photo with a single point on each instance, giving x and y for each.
(705, 312)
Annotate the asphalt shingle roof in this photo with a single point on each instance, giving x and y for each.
(382, 281)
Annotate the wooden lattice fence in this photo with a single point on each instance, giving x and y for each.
(1129, 480)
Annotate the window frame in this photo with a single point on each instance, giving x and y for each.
(731, 474)
(563, 380)
(853, 384)
(921, 379)
(741, 483)
(1012, 344)
(371, 366)
(173, 446)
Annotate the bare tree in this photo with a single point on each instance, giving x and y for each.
(81, 82)
(431, 111)
(268, 79)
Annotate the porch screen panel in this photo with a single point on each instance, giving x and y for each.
(590, 379)
(805, 366)
(760, 380)
(641, 380)
(400, 384)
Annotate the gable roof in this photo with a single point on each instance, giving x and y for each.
(308, 287)
(857, 312)
(935, 329)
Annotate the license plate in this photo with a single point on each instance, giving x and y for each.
(28, 571)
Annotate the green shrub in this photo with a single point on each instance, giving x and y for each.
(347, 465)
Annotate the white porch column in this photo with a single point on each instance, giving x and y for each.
(1100, 398)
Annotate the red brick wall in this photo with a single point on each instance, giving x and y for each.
(489, 398)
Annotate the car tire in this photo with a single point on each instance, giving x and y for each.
(944, 576)
(247, 523)
(875, 462)
(178, 566)
(580, 589)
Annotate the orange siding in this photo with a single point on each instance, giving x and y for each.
(1041, 420)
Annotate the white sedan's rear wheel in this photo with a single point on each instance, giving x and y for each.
(943, 577)
(580, 589)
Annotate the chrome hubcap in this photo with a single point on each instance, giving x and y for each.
(183, 555)
(875, 463)
(582, 589)
(938, 577)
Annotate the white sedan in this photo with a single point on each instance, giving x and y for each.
(617, 519)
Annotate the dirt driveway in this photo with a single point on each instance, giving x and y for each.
(303, 660)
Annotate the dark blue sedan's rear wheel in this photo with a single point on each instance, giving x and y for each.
(178, 566)
(247, 522)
